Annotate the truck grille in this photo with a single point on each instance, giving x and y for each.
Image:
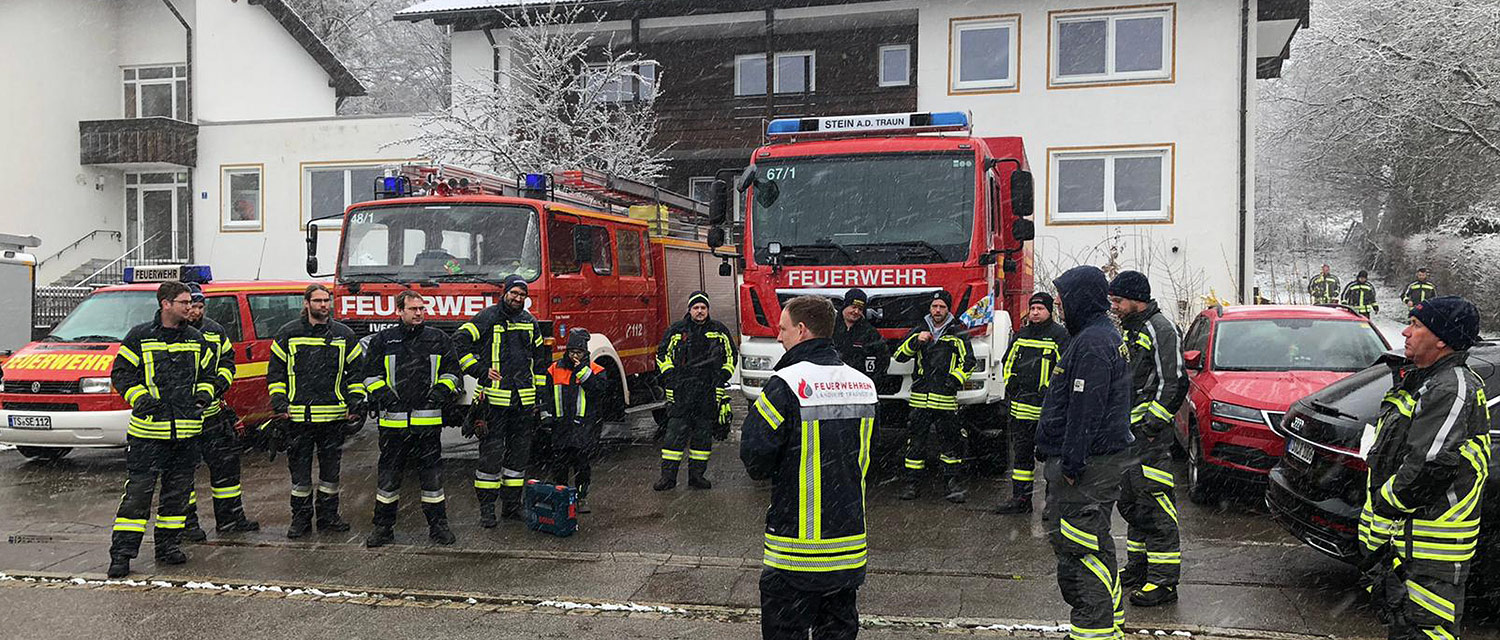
(40, 406)
(362, 328)
(892, 312)
(30, 387)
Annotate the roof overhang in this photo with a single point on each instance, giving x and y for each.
(1276, 22)
(344, 83)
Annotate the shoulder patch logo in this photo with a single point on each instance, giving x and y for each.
(804, 390)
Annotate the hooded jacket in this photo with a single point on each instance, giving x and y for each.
(510, 342)
(163, 373)
(1033, 353)
(1159, 379)
(943, 364)
(1086, 411)
(412, 374)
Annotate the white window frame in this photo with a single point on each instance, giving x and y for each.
(774, 72)
(135, 188)
(645, 92)
(304, 208)
(177, 81)
(1168, 14)
(226, 197)
(1012, 80)
(1166, 151)
(880, 66)
(694, 181)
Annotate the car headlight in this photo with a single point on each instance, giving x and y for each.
(94, 385)
(1236, 412)
(757, 363)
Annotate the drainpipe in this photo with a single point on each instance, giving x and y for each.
(1244, 147)
(494, 57)
(188, 116)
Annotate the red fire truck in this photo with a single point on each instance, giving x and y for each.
(881, 203)
(617, 257)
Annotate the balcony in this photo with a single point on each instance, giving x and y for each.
(138, 143)
(739, 122)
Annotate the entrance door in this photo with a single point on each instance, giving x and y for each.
(157, 209)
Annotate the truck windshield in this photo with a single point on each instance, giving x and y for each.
(866, 209)
(1295, 345)
(472, 241)
(106, 317)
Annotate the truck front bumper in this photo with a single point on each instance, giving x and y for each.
(68, 429)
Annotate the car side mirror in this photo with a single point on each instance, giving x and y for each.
(1193, 359)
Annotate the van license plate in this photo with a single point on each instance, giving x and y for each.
(31, 422)
(1300, 450)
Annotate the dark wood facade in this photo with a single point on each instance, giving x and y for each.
(138, 140)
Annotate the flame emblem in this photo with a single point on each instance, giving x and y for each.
(805, 390)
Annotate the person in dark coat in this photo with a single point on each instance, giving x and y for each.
(1033, 353)
(578, 385)
(858, 342)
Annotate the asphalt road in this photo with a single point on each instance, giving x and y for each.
(659, 565)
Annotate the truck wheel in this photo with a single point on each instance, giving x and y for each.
(1203, 480)
(44, 453)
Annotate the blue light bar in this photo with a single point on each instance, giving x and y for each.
(873, 124)
(536, 181)
(199, 273)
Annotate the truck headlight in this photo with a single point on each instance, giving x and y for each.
(94, 385)
(757, 363)
(1236, 412)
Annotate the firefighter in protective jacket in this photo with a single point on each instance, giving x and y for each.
(858, 342)
(316, 388)
(1427, 470)
(165, 372)
(1033, 353)
(1324, 287)
(578, 388)
(218, 444)
(943, 362)
(695, 359)
(1419, 291)
(503, 347)
(1153, 559)
(1360, 295)
(411, 375)
(809, 432)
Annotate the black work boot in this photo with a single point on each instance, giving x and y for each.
(955, 491)
(698, 475)
(328, 514)
(1153, 595)
(437, 523)
(171, 555)
(487, 515)
(668, 480)
(301, 524)
(241, 525)
(1014, 506)
(511, 511)
(380, 536)
(909, 490)
(119, 567)
(194, 533)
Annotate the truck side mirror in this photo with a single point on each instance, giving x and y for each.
(1023, 229)
(724, 269)
(312, 249)
(718, 202)
(717, 237)
(1022, 194)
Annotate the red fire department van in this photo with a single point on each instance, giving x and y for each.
(614, 256)
(880, 203)
(55, 393)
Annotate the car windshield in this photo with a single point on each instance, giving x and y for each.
(1293, 344)
(106, 317)
(861, 208)
(486, 242)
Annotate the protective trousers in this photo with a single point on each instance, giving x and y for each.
(690, 429)
(220, 452)
(570, 466)
(1022, 434)
(1077, 522)
(146, 461)
(788, 614)
(1152, 545)
(398, 447)
(504, 453)
(1417, 599)
(920, 425)
(326, 439)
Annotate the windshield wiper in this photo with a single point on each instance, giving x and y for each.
(823, 245)
(95, 337)
(388, 277)
(920, 245)
(1332, 410)
(469, 276)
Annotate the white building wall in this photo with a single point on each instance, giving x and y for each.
(247, 66)
(148, 33)
(1198, 113)
(54, 198)
(282, 148)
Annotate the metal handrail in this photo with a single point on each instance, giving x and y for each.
(85, 238)
(117, 260)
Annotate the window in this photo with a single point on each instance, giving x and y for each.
(328, 190)
(1111, 185)
(470, 242)
(560, 249)
(270, 311)
(629, 241)
(602, 253)
(623, 87)
(158, 216)
(224, 310)
(699, 188)
(895, 65)
(1133, 45)
(1197, 336)
(983, 53)
(1293, 344)
(159, 91)
(796, 72)
(240, 198)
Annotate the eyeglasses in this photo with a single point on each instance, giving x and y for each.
(185, 302)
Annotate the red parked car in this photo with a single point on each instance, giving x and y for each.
(1247, 365)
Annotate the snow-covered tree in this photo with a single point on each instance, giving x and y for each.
(403, 65)
(568, 99)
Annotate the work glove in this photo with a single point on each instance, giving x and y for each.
(273, 436)
(203, 399)
(726, 417)
(439, 396)
(147, 405)
(354, 422)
